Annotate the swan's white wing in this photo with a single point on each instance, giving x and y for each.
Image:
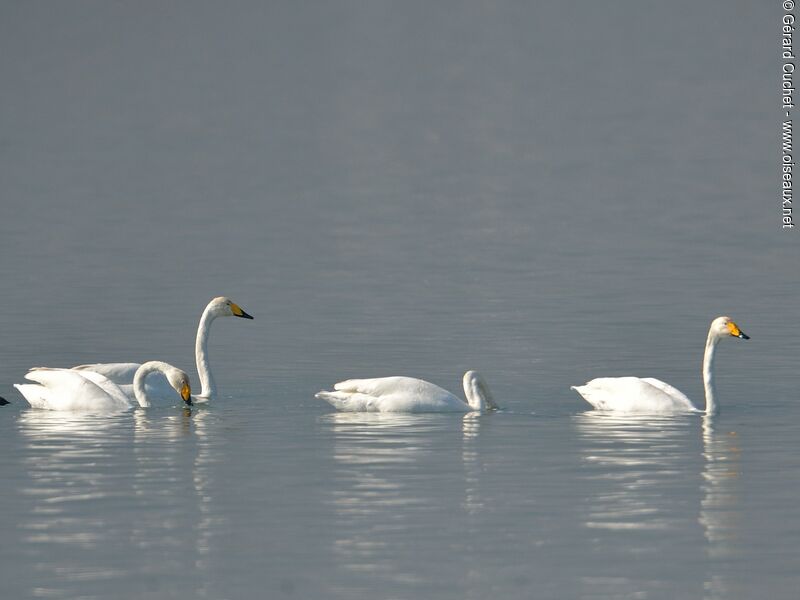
(632, 394)
(668, 389)
(383, 386)
(392, 394)
(119, 373)
(108, 386)
(64, 389)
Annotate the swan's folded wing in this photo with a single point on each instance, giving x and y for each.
(67, 390)
(119, 373)
(384, 386)
(632, 394)
(65, 380)
(108, 386)
(668, 389)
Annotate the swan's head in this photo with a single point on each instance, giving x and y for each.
(724, 327)
(225, 307)
(180, 383)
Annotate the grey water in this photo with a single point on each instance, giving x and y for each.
(544, 192)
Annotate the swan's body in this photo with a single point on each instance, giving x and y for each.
(122, 374)
(635, 394)
(67, 389)
(406, 394)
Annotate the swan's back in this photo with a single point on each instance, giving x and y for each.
(392, 394)
(119, 373)
(122, 374)
(634, 394)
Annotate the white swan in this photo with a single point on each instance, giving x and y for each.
(67, 389)
(634, 394)
(122, 373)
(406, 394)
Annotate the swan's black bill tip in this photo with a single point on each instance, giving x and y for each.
(744, 336)
(3, 401)
(244, 315)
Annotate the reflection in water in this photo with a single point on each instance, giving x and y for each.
(638, 455)
(638, 465)
(719, 507)
(69, 477)
(470, 426)
(162, 473)
(109, 495)
(645, 461)
(377, 458)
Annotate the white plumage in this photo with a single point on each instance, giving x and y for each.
(66, 389)
(407, 394)
(157, 387)
(649, 395)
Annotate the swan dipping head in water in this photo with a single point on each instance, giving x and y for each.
(68, 389)
(407, 394)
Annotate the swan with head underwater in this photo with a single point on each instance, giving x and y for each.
(408, 395)
(123, 373)
(67, 389)
(649, 395)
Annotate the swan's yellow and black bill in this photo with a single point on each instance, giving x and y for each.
(186, 393)
(736, 332)
(238, 312)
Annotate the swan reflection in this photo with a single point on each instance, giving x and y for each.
(382, 484)
(174, 469)
(68, 477)
(110, 486)
(637, 456)
(470, 428)
(720, 514)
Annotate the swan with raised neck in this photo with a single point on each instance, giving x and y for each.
(218, 307)
(635, 394)
(123, 373)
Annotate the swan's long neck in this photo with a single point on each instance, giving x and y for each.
(477, 392)
(708, 373)
(208, 389)
(139, 390)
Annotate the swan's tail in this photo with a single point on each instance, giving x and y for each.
(348, 401)
(32, 393)
(586, 393)
(597, 398)
(336, 399)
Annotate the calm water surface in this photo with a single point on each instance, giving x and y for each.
(545, 194)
